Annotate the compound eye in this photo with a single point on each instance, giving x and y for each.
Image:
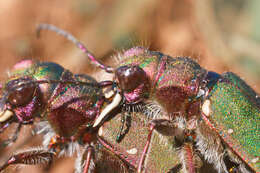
(130, 77)
(21, 95)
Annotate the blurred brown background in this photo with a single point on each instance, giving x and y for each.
(221, 35)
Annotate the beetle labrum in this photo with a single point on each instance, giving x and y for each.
(65, 105)
(218, 115)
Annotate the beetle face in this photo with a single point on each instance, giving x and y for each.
(19, 98)
(133, 82)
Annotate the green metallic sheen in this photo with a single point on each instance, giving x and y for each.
(147, 60)
(235, 115)
(177, 83)
(162, 155)
(47, 71)
(174, 82)
(38, 71)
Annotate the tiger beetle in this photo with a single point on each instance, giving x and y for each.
(64, 106)
(217, 115)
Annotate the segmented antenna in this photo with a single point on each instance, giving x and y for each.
(80, 45)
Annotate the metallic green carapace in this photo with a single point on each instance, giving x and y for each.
(235, 116)
(162, 156)
(38, 71)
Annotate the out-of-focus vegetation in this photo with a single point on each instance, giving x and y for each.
(222, 35)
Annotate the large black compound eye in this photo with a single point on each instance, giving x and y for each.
(20, 95)
(130, 77)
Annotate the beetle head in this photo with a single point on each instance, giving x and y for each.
(19, 100)
(133, 83)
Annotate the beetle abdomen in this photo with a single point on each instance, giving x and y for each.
(234, 113)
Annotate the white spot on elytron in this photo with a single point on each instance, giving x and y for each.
(255, 160)
(132, 151)
(230, 131)
(206, 108)
(100, 131)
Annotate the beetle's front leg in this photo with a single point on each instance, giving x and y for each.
(31, 156)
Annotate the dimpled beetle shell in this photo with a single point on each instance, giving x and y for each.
(234, 113)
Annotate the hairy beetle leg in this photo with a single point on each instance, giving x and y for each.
(32, 156)
(190, 160)
(89, 151)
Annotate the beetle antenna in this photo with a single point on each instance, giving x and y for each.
(71, 38)
(102, 84)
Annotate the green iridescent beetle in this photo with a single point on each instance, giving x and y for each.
(232, 109)
(186, 97)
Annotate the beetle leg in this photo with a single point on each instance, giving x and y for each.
(146, 147)
(190, 160)
(233, 164)
(210, 146)
(175, 169)
(31, 156)
(13, 138)
(84, 162)
(90, 151)
(4, 127)
(164, 127)
(125, 120)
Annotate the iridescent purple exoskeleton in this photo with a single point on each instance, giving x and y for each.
(63, 106)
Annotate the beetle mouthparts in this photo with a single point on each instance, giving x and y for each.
(116, 101)
(5, 115)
